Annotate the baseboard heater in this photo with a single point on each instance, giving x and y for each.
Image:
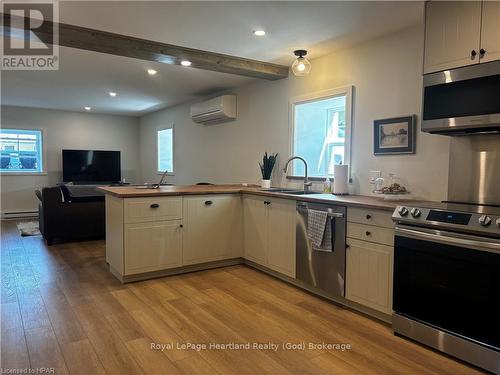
(19, 215)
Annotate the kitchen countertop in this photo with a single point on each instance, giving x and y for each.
(346, 200)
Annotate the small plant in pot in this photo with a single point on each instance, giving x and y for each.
(266, 168)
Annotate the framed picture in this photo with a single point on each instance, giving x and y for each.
(394, 136)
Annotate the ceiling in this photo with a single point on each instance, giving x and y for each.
(85, 78)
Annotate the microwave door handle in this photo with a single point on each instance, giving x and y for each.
(443, 237)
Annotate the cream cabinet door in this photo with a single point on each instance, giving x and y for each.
(281, 236)
(152, 246)
(452, 32)
(490, 31)
(369, 274)
(212, 227)
(255, 228)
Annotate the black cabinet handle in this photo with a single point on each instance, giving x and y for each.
(267, 202)
(347, 246)
(482, 51)
(181, 226)
(155, 205)
(208, 203)
(368, 233)
(473, 53)
(368, 217)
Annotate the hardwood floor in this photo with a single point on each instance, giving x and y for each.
(62, 309)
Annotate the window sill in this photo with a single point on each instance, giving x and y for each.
(168, 174)
(23, 173)
(322, 179)
(314, 179)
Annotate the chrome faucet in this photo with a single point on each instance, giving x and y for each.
(153, 186)
(307, 184)
(163, 178)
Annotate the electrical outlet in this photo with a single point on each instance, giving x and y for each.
(373, 175)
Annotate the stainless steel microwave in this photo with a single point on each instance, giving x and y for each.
(462, 101)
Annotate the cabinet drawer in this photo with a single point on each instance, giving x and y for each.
(371, 233)
(138, 210)
(380, 218)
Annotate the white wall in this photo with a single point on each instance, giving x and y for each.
(66, 130)
(387, 77)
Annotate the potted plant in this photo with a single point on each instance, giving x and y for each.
(266, 168)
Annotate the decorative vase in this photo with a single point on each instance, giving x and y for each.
(265, 184)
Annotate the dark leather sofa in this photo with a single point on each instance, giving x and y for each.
(62, 219)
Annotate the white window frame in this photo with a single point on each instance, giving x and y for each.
(43, 172)
(158, 129)
(312, 97)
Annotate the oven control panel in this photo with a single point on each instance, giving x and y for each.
(449, 217)
(483, 223)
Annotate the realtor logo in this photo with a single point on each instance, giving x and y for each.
(30, 35)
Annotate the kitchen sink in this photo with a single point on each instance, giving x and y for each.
(290, 191)
(301, 192)
(276, 190)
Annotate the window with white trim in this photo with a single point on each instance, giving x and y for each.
(165, 150)
(321, 128)
(21, 151)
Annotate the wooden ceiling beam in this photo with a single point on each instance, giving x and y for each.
(123, 45)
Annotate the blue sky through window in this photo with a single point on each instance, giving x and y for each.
(319, 135)
(166, 150)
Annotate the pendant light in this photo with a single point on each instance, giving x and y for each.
(301, 66)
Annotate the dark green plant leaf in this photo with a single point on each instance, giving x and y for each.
(267, 165)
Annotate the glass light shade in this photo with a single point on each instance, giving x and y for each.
(301, 66)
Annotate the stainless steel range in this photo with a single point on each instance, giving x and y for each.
(447, 280)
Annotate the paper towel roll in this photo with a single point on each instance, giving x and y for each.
(341, 179)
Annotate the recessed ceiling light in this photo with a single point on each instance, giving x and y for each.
(259, 33)
(152, 72)
(186, 63)
(87, 108)
(112, 94)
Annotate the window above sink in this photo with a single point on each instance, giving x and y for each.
(321, 131)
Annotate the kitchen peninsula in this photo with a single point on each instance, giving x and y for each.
(176, 229)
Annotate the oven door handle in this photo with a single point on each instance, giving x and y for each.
(449, 238)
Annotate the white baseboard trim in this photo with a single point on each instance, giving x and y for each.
(19, 215)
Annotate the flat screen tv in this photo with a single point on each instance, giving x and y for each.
(89, 166)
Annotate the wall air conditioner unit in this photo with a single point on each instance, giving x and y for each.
(214, 111)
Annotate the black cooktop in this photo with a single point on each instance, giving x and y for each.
(465, 207)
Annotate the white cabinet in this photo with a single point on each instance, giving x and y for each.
(490, 31)
(269, 233)
(160, 233)
(255, 228)
(369, 274)
(460, 33)
(212, 228)
(281, 218)
(369, 258)
(452, 32)
(152, 246)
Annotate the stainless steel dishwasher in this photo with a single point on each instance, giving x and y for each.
(324, 271)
